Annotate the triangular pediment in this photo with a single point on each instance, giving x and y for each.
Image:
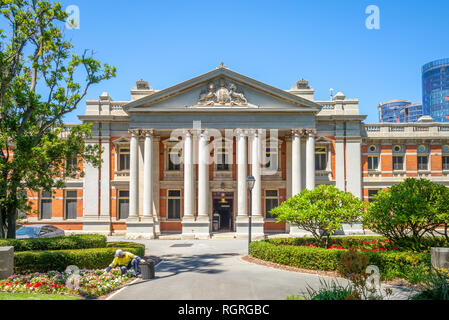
(221, 90)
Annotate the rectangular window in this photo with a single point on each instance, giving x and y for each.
(272, 159)
(174, 205)
(445, 162)
(71, 204)
(271, 202)
(124, 157)
(46, 200)
(173, 159)
(123, 204)
(222, 158)
(423, 162)
(71, 164)
(398, 163)
(373, 163)
(371, 194)
(321, 159)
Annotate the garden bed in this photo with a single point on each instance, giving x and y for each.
(87, 284)
(33, 258)
(305, 253)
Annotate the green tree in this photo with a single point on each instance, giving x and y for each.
(321, 211)
(38, 87)
(409, 211)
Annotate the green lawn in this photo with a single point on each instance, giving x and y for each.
(31, 296)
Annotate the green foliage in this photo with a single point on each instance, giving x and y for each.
(38, 87)
(321, 211)
(435, 286)
(331, 291)
(409, 211)
(87, 241)
(43, 261)
(405, 265)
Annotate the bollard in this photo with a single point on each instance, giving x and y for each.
(6, 262)
(440, 257)
(147, 270)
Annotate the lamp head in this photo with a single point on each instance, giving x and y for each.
(251, 181)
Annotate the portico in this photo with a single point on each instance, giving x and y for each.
(181, 156)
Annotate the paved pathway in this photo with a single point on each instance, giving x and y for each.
(214, 270)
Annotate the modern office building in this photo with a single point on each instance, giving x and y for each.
(176, 161)
(435, 78)
(390, 111)
(411, 113)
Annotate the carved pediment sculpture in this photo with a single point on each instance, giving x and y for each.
(222, 93)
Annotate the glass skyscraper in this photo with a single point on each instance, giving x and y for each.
(390, 111)
(435, 77)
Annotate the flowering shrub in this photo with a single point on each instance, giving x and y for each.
(89, 283)
(304, 253)
(356, 244)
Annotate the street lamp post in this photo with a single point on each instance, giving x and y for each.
(250, 182)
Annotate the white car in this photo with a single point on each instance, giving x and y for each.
(39, 231)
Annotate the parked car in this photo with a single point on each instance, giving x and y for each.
(39, 231)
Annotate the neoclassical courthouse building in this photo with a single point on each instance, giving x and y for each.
(176, 161)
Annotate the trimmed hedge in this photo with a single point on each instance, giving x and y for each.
(392, 264)
(59, 260)
(86, 241)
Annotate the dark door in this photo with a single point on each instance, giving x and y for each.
(223, 207)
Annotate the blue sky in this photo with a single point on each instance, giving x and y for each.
(276, 42)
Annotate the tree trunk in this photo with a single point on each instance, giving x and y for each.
(11, 217)
(2, 224)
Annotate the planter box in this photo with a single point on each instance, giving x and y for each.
(440, 257)
(6, 262)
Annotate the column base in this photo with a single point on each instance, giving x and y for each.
(297, 232)
(257, 228)
(97, 225)
(196, 229)
(140, 230)
(354, 229)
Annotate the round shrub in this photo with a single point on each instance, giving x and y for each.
(321, 211)
(409, 211)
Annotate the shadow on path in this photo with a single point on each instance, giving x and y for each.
(201, 263)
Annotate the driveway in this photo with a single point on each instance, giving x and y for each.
(214, 270)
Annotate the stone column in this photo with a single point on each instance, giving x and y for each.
(257, 224)
(354, 165)
(133, 176)
(188, 176)
(256, 172)
(242, 164)
(310, 160)
(340, 164)
(148, 176)
(141, 227)
(296, 163)
(198, 228)
(203, 176)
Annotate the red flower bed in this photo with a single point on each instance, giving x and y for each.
(380, 245)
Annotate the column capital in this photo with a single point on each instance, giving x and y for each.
(147, 132)
(254, 132)
(297, 132)
(242, 132)
(204, 134)
(310, 132)
(134, 132)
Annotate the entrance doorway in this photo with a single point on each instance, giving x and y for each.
(223, 208)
